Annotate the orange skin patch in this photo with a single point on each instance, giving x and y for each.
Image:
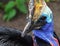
(37, 9)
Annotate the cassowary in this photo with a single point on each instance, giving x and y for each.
(12, 37)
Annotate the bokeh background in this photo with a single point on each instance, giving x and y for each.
(55, 7)
(19, 21)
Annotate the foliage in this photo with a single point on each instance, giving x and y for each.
(1, 4)
(9, 15)
(50, 0)
(21, 6)
(47, 0)
(9, 6)
(10, 12)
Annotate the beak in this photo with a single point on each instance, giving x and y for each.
(26, 29)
